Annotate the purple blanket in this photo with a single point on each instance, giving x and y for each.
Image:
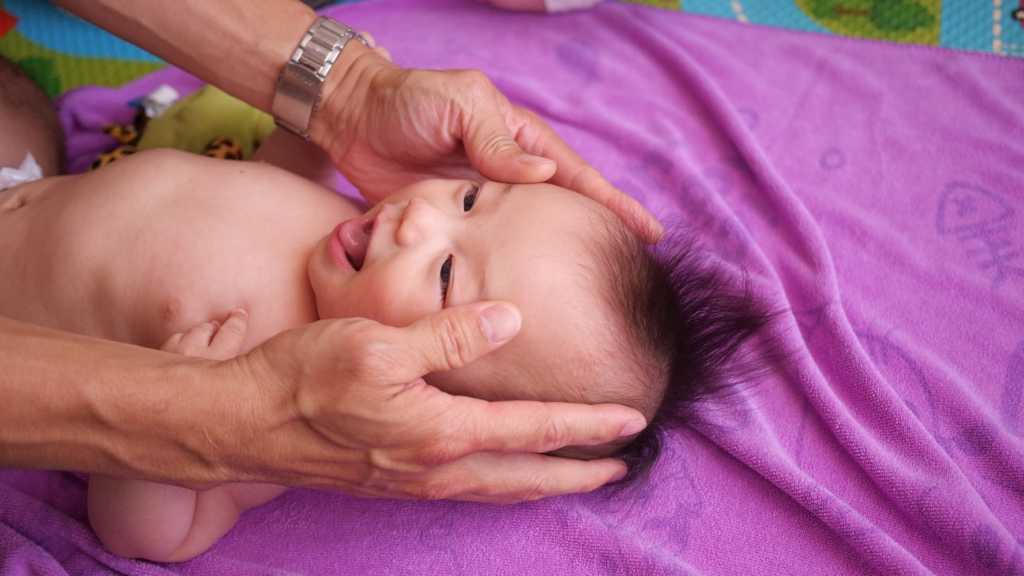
(873, 190)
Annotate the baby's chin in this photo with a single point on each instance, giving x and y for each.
(324, 281)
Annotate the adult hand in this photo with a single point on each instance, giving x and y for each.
(385, 127)
(347, 409)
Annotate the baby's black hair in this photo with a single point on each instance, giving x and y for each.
(685, 320)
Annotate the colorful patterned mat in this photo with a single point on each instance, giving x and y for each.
(993, 26)
(62, 52)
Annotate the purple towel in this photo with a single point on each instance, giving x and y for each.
(874, 190)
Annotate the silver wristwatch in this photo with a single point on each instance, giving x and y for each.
(298, 86)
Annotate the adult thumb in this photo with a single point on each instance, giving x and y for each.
(494, 153)
(454, 337)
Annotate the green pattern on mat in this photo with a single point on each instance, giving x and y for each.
(993, 26)
(913, 21)
(57, 73)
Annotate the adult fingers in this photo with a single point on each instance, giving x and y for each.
(590, 183)
(489, 141)
(370, 40)
(227, 342)
(530, 426)
(574, 173)
(452, 338)
(506, 478)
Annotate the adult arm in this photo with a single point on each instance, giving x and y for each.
(68, 402)
(237, 45)
(381, 125)
(338, 404)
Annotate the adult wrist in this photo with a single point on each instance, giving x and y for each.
(255, 412)
(169, 420)
(91, 405)
(215, 422)
(345, 96)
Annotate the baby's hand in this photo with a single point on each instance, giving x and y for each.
(212, 340)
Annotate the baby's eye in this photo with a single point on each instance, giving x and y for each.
(446, 274)
(470, 199)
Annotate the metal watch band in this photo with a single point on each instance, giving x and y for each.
(298, 85)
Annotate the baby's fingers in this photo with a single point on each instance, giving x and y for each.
(196, 340)
(227, 342)
(212, 340)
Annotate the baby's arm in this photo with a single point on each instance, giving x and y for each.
(286, 150)
(167, 523)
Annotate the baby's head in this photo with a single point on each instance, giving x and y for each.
(603, 320)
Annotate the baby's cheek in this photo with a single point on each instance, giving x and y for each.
(383, 299)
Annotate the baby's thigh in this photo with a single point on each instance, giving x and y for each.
(141, 519)
(167, 523)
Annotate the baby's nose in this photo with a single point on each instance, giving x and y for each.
(418, 221)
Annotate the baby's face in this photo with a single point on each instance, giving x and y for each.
(442, 243)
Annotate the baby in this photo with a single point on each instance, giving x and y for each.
(153, 249)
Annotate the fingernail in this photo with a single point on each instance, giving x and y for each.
(499, 322)
(531, 160)
(632, 427)
(240, 311)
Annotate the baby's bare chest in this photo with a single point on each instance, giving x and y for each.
(137, 263)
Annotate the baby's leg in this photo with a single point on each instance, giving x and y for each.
(29, 122)
(166, 523)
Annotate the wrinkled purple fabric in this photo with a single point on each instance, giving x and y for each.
(874, 191)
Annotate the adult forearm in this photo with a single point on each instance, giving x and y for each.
(237, 45)
(69, 402)
(241, 47)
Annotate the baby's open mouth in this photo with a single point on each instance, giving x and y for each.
(354, 236)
